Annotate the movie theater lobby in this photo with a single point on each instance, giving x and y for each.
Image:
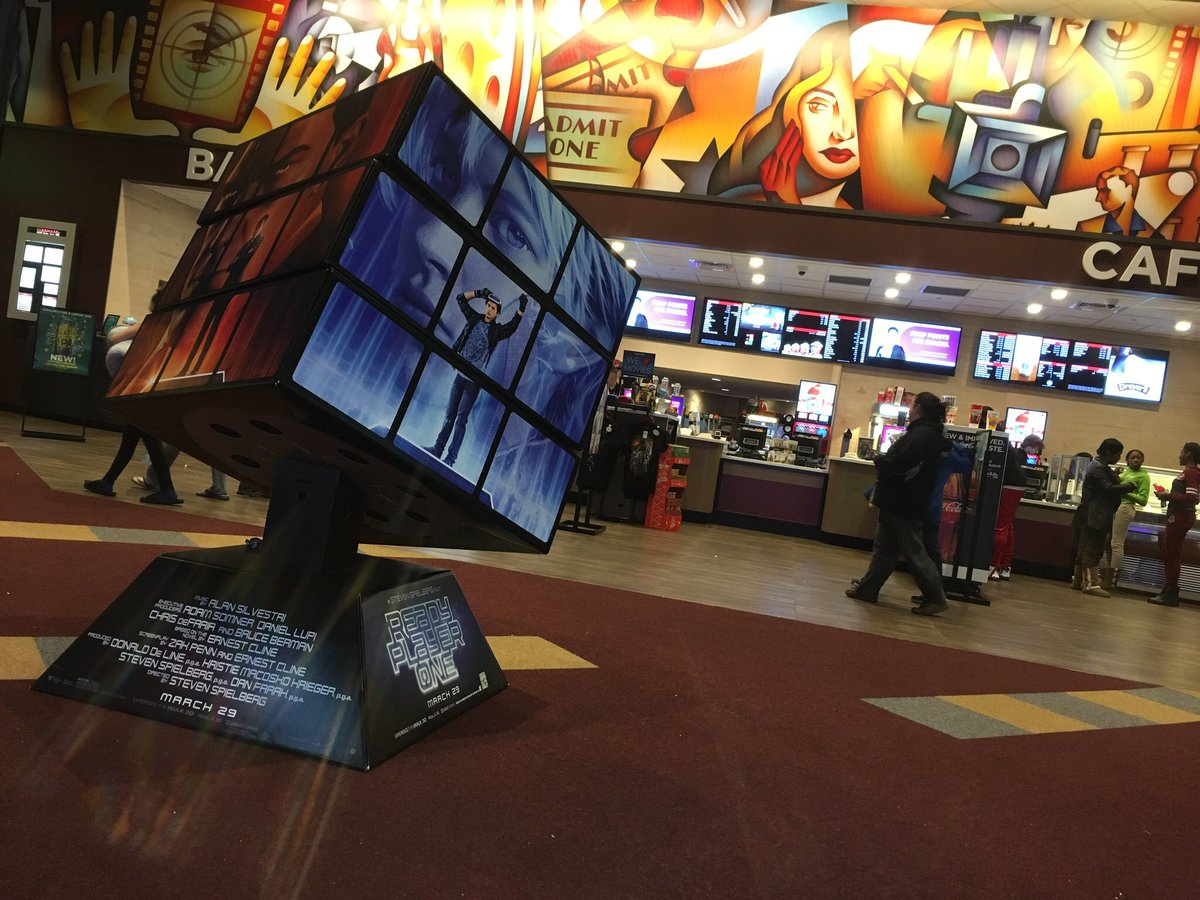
(690, 713)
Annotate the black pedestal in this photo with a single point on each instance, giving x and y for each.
(350, 661)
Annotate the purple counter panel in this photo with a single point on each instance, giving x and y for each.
(765, 491)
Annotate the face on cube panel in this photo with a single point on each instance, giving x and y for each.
(453, 150)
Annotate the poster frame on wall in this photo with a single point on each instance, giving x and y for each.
(57, 384)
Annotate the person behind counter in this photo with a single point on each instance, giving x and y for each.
(1181, 516)
(905, 476)
(1102, 491)
(1010, 499)
(1123, 518)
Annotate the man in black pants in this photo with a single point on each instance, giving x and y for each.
(905, 477)
(119, 340)
(476, 342)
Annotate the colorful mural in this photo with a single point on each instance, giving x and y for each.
(1006, 119)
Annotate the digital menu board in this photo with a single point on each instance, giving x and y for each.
(1136, 374)
(744, 326)
(818, 335)
(662, 316)
(913, 346)
(761, 327)
(719, 327)
(1089, 367)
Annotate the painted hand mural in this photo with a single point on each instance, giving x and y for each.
(1018, 120)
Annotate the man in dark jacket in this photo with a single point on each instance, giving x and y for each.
(1102, 492)
(904, 482)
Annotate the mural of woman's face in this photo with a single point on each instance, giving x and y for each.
(827, 123)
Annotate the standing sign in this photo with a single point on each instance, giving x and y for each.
(969, 506)
(349, 666)
(63, 342)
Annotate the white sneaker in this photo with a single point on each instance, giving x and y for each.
(994, 575)
(1005, 574)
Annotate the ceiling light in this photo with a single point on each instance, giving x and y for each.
(617, 245)
(903, 278)
(715, 378)
(726, 390)
(1033, 308)
(756, 262)
(1059, 294)
(631, 263)
(1183, 325)
(892, 293)
(758, 277)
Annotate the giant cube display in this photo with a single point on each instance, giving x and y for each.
(331, 308)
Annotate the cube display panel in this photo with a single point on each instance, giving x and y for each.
(405, 299)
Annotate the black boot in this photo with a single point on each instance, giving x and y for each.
(1169, 596)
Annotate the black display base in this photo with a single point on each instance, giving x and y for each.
(349, 665)
(27, 431)
(966, 592)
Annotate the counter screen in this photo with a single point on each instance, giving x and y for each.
(815, 402)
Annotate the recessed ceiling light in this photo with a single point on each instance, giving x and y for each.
(1033, 308)
(631, 263)
(715, 378)
(903, 278)
(1183, 325)
(1059, 294)
(726, 390)
(756, 262)
(758, 277)
(892, 293)
(617, 245)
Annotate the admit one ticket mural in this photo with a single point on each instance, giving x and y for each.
(1004, 119)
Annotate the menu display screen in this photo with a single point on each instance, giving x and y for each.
(744, 326)
(761, 327)
(722, 319)
(1112, 370)
(914, 346)
(1087, 367)
(817, 335)
(1136, 374)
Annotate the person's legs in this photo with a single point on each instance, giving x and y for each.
(150, 480)
(129, 439)
(1076, 557)
(456, 394)
(104, 485)
(1091, 551)
(930, 538)
(165, 494)
(1002, 546)
(908, 538)
(1173, 536)
(469, 393)
(218, 489)
(1122, 519)
(885, 553)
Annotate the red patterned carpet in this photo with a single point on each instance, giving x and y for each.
(710, 753)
